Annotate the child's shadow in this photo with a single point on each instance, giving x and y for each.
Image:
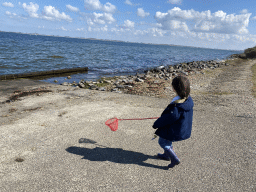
(116, 155)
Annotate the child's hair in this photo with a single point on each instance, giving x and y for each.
(182, 86)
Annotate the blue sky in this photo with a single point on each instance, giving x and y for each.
(221, 24)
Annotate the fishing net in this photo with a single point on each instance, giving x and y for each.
(113, 123)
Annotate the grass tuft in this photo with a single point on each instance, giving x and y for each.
(254, 80)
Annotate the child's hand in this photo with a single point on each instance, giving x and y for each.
(155, 136)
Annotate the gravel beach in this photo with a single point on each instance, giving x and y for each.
(54, 137)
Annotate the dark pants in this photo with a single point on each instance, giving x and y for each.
(165, 144)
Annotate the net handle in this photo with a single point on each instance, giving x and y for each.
(140, 118)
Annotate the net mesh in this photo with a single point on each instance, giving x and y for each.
(112, 123)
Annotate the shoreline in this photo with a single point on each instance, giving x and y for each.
(156, 81)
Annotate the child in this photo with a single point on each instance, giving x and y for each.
(175, 123)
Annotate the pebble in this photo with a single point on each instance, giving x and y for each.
(102, 89)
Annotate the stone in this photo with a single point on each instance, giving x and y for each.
(93, 87)
(160, 67)
(69, 77)
(114, 90)
(65, 83)
(128, 86)
(139, 80)
(185, 73)
(120, 86)
(130, 81)
(107, 81)
(168, 88)
(102, 89)
(81, 85)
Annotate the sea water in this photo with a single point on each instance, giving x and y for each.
(22, 53)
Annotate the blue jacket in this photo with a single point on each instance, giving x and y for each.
(175, 123)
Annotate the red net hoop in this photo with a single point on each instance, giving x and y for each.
(112, 123)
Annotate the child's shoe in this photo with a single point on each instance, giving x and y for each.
(174, 158)
(164, 156)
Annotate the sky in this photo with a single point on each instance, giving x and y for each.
(217, 24)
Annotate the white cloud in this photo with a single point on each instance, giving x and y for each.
(129, 24)
(175, 1)
(244, 11)
(96, 5)
(254, 18)
(101, 18)
(8, 4)
(93, 4)
(62, 28)
(31, 9)
(108, 7)
(218, 22)
(80, 29)
(71, 8)
(128, 2)
(98, 29)
(105, 28)
(50, 13)
(142, 13)
(10, 14)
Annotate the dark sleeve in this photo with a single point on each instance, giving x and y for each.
(168, 117)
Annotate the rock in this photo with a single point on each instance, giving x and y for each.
(88, 82)
(168, 88)
(139, 80)
(65, 83)
(102, 89)
(160, 67)
(117, 82)
(130, 81)
(55, 81)
(81, 85)
(120, 86)
(114, 90)
(69, 77)
(93, 87)
(185, 73)
(128, 86)
(107, 81)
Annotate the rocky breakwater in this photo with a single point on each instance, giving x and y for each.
(154, 82)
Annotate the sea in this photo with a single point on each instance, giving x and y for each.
(23, 53)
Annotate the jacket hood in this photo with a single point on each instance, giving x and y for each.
(184, 104)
